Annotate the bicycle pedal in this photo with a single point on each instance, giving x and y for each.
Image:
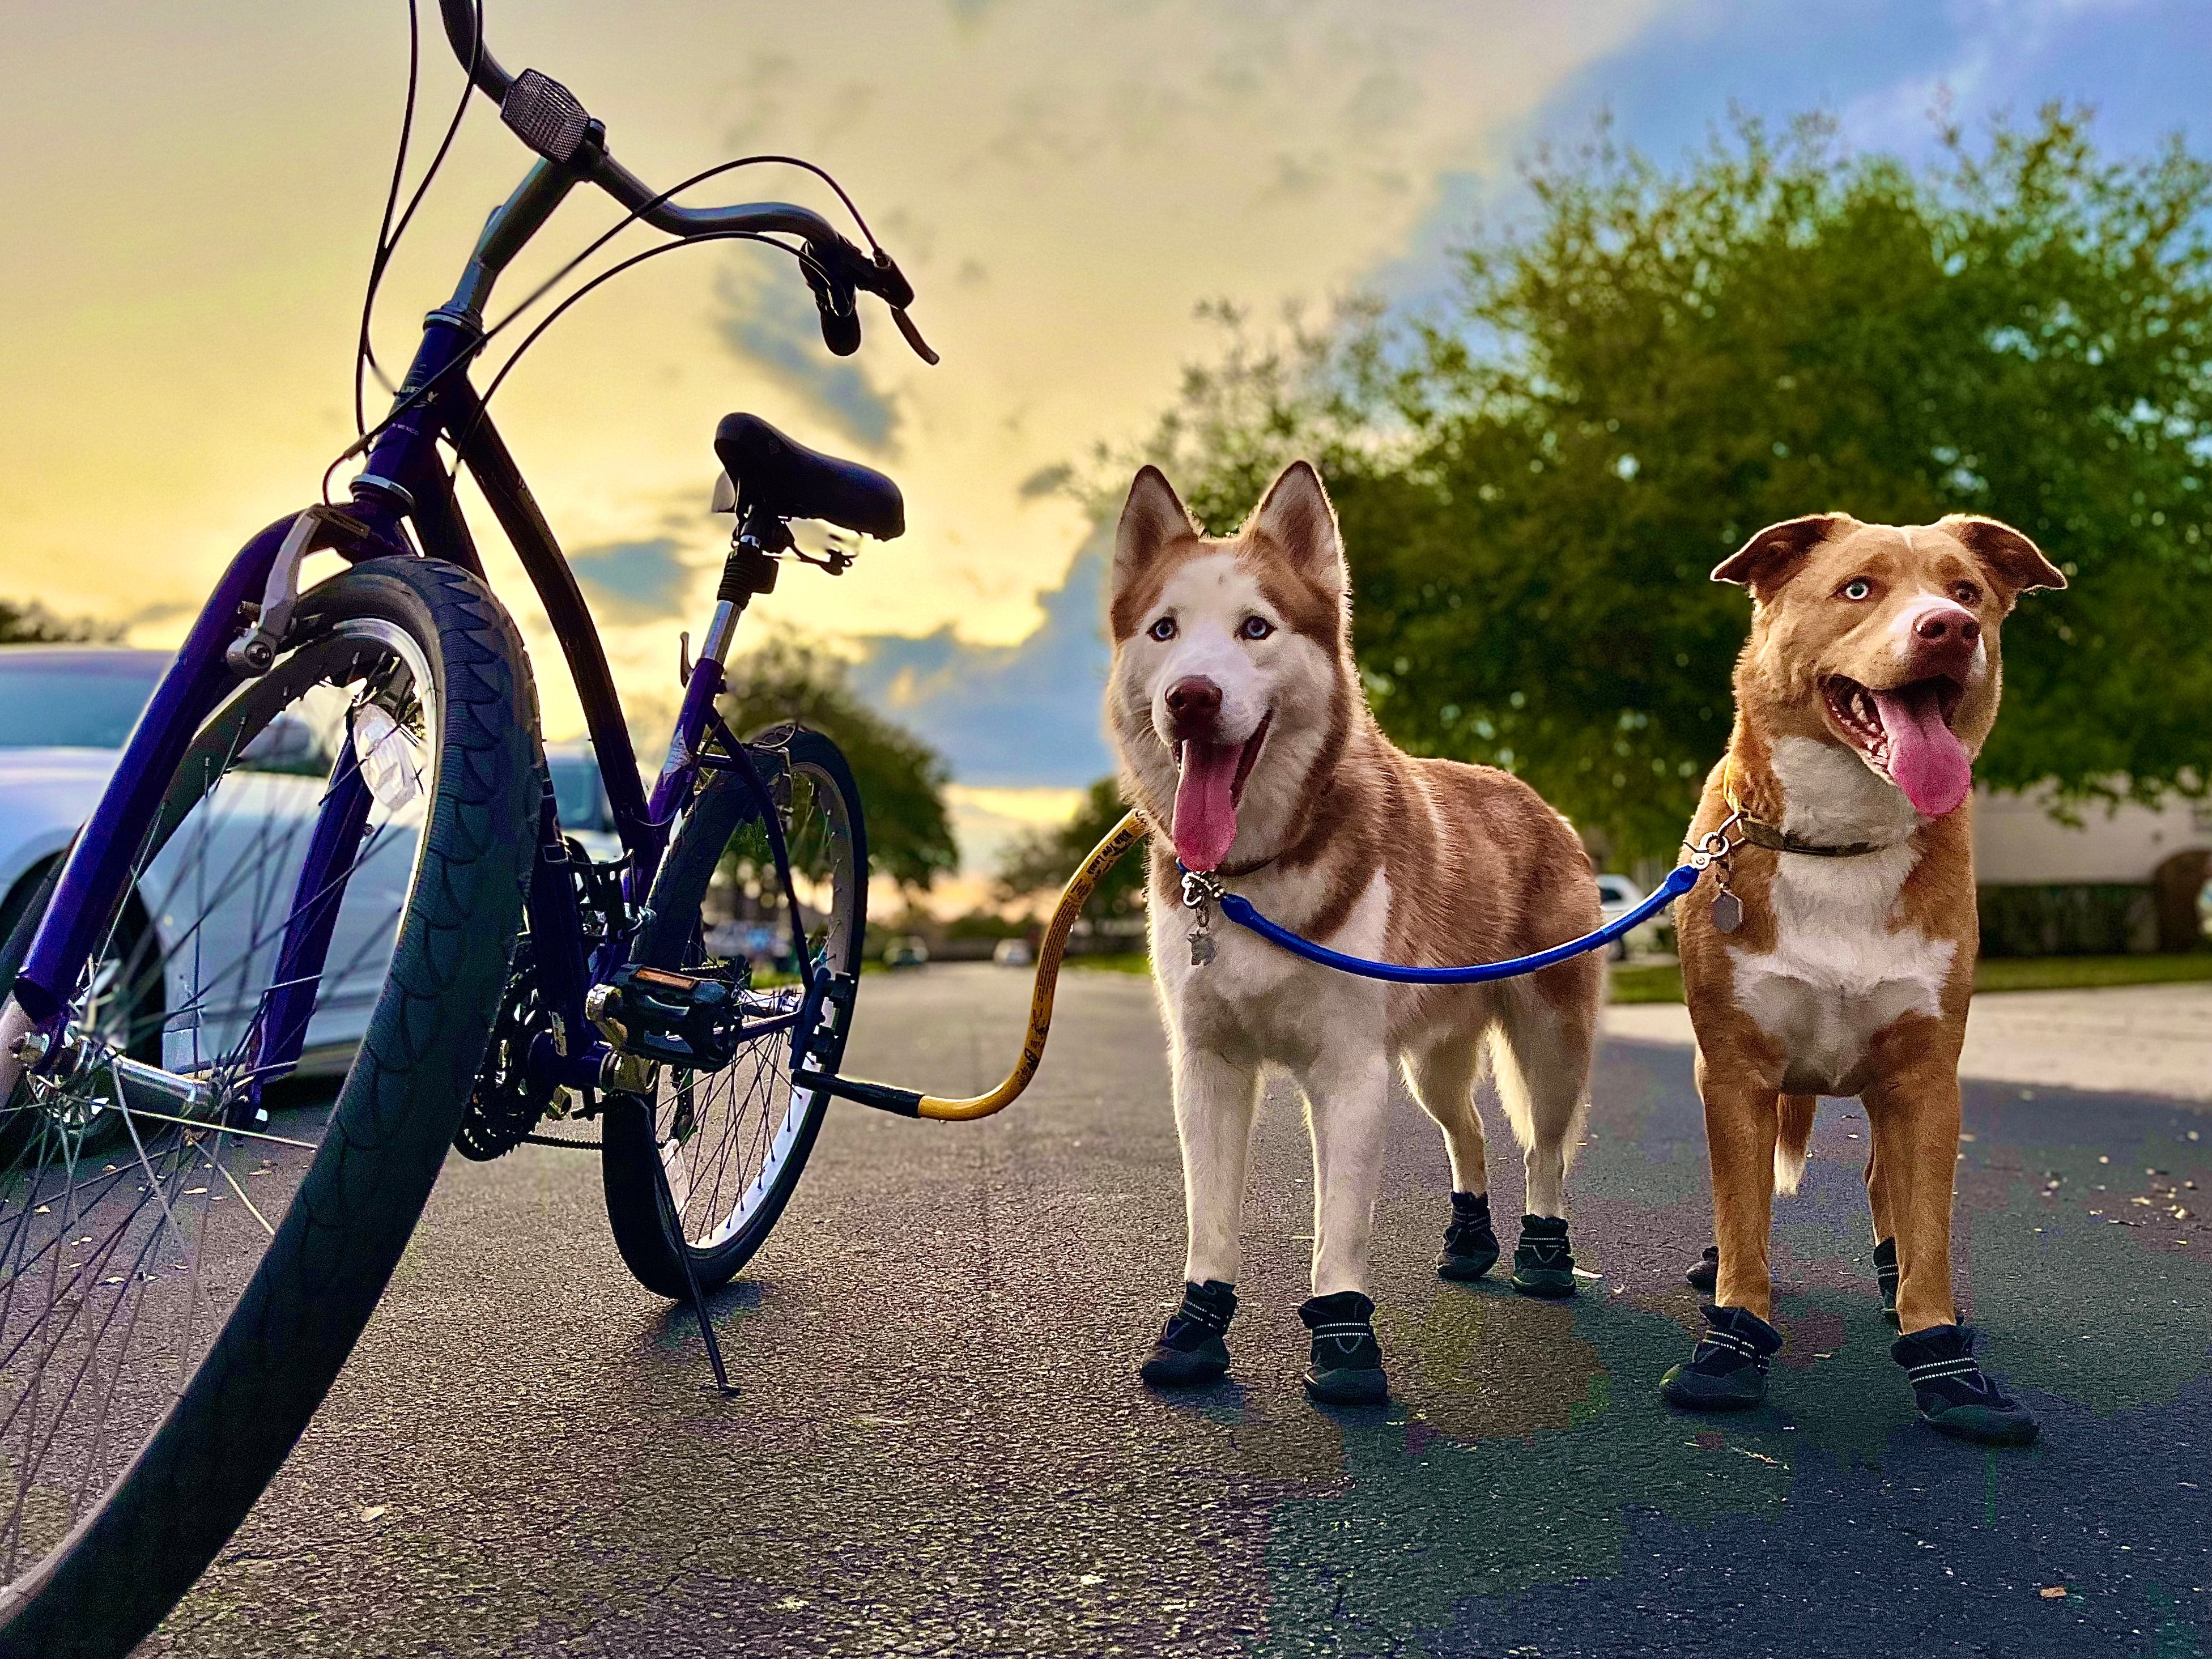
(689, 1020)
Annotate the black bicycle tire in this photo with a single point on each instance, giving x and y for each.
(134, 1555)
(646, 1234)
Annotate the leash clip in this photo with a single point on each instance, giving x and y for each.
(1711, 851)
(1200, 890)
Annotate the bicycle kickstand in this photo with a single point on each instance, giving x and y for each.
(722, 1384)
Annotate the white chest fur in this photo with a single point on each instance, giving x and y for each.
(1256, 1001)
(1841, 969)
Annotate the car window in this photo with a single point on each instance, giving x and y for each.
(577, 796)
(1612, 890)
(84, 703)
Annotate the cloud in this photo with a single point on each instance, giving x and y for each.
(632, 582)
(768, 318)
(1011, 716)
(1879, 67)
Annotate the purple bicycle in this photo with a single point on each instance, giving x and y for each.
(329, 851)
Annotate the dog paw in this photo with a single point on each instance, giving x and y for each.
(1544, 1262)
(1885, 1277)
(1193, 1348)
(1705, 1273)
(1955, 1396)
(1347, 1360)
(1727, 1370)
(1470, 1242)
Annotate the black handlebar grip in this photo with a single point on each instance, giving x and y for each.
(546, 116)
(841, 331)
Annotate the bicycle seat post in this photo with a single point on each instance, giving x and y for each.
(750, 568)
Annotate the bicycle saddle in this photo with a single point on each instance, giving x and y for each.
(786, 480)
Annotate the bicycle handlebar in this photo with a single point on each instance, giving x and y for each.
(556, 125)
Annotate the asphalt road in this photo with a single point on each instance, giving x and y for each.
(941, 1448)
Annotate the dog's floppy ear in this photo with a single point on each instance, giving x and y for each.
(1772, 556)
(1151, 518)
(1296, 515)
(2006, 555)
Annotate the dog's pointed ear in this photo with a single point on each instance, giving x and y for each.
(1770, 558)
(1297, 516)
(1152, 518)
(2011, 559)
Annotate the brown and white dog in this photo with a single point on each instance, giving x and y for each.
(1844, 960)
(1244, 736)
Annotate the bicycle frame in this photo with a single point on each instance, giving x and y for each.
(404, 482)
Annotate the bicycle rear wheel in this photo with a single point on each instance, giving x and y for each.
(186, 1257)
(732, 1142)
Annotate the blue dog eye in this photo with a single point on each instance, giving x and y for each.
(1257, 628)
(1163, 630)
(1858, 588)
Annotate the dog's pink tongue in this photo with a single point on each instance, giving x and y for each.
(1926, 759)
(1206, 804)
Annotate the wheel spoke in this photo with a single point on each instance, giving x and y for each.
(128, 1232)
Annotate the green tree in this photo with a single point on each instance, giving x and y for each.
(1041, 860)
(1534, 483)
(31, 623)
(901, 780)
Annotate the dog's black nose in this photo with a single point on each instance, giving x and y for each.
(1194, 704)
(1951, 625)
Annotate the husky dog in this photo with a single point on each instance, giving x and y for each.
(1244, 737)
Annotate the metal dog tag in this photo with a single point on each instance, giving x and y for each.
(1201, 947)
(1727, 911)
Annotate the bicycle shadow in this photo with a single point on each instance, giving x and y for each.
(675, 1333)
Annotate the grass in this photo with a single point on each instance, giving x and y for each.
(1661, 981)
(1125, 962)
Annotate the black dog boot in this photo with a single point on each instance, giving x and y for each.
(1470, 1242)
(1727, 1368)
(1191, 1350)
(1885, 1274)
(1704, 1273)
(1347, 1361)
(1955, 1394)
(1543, 1264)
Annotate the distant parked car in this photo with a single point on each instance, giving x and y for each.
(905, 951)
(1012, 953)
(580, 798)
(65, 712)
(1616, 896)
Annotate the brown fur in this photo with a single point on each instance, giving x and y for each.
(1757, 1091)
(1343, 838)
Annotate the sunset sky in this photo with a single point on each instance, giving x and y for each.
(193, 191)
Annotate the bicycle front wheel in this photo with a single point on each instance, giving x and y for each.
(730, 1143)
(189, 1248)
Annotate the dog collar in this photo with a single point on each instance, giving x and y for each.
(1759, 833)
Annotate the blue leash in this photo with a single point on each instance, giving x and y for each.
(1200, 889)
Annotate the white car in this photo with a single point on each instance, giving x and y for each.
(580, 798)
(65, 711)
(1616, 896)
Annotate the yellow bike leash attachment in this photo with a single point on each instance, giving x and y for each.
(887, 1097)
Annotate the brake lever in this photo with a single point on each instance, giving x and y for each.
(913, 336)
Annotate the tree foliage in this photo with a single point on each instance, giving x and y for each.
(1040, 860)
(30, 623)
(901, 780)
(1534, 483)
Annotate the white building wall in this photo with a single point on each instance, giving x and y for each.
(2016, 841)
